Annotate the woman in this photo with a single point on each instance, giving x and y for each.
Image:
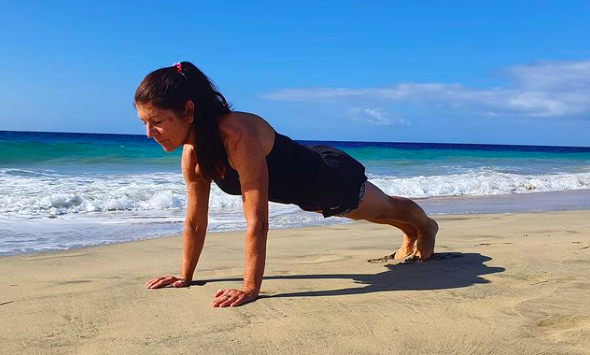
(245, 156)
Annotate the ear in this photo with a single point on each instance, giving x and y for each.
(189, 111)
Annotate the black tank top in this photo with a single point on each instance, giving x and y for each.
(292, 171)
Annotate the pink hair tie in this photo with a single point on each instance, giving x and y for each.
(178, 68)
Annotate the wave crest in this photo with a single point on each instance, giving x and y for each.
(46, 194)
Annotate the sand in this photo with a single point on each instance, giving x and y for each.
(502, 284)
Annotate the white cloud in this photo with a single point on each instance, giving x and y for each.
(546, 89)
(375, 116)
(552, 75)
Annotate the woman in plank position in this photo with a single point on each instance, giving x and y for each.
(245, 156)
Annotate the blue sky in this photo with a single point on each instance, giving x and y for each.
(507, 72)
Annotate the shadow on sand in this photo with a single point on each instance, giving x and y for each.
(443, 271)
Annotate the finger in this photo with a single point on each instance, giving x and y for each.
(161, 283)
(152, 282)
(224, 298)
(238, 301)
(246, 299)
(154, 285)
(216, 302)
(228, 301)
(165, 278)
(167, 281)
(219, 292)
(219, 300)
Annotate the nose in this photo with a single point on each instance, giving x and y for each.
(148, 130)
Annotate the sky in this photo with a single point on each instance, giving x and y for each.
(457, 71)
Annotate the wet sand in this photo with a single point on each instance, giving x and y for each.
(500, 284)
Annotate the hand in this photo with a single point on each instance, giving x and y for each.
(232, 298)
(159, 282)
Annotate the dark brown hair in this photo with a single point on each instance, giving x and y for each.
(170, 88)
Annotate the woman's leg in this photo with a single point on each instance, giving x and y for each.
(402, 213)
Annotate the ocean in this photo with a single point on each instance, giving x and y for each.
(61, 191)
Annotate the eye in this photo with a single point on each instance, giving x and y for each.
(157, 122)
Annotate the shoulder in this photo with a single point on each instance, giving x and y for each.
(245, 138)
(238, 128)
(189, 165)
(238, 123)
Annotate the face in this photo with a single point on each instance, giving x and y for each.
(166, 127)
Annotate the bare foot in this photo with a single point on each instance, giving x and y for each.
(426, 240)
(405, 253)
(407, 247)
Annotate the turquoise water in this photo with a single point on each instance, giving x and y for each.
(81, 152)
(121, 153)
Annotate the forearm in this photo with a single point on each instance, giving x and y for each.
(255, 255)
(193, 240)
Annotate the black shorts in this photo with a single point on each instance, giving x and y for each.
(339, 186)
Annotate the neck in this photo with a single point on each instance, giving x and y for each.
(190, 137)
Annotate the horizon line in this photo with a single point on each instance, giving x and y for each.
(315, 140)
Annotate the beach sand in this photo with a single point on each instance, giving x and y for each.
(501, 284)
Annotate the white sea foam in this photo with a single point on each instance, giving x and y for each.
(43, 195)
(484, 182)
(46, 211)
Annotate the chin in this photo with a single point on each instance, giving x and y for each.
(167, 147)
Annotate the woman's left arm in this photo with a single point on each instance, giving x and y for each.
(246, 152)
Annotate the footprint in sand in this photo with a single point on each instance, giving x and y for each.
(412, 259)
(559, 328)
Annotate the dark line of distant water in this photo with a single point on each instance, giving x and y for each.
(24, 135)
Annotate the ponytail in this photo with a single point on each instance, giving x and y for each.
(170, 88)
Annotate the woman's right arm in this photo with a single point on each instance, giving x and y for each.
(195, 224)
